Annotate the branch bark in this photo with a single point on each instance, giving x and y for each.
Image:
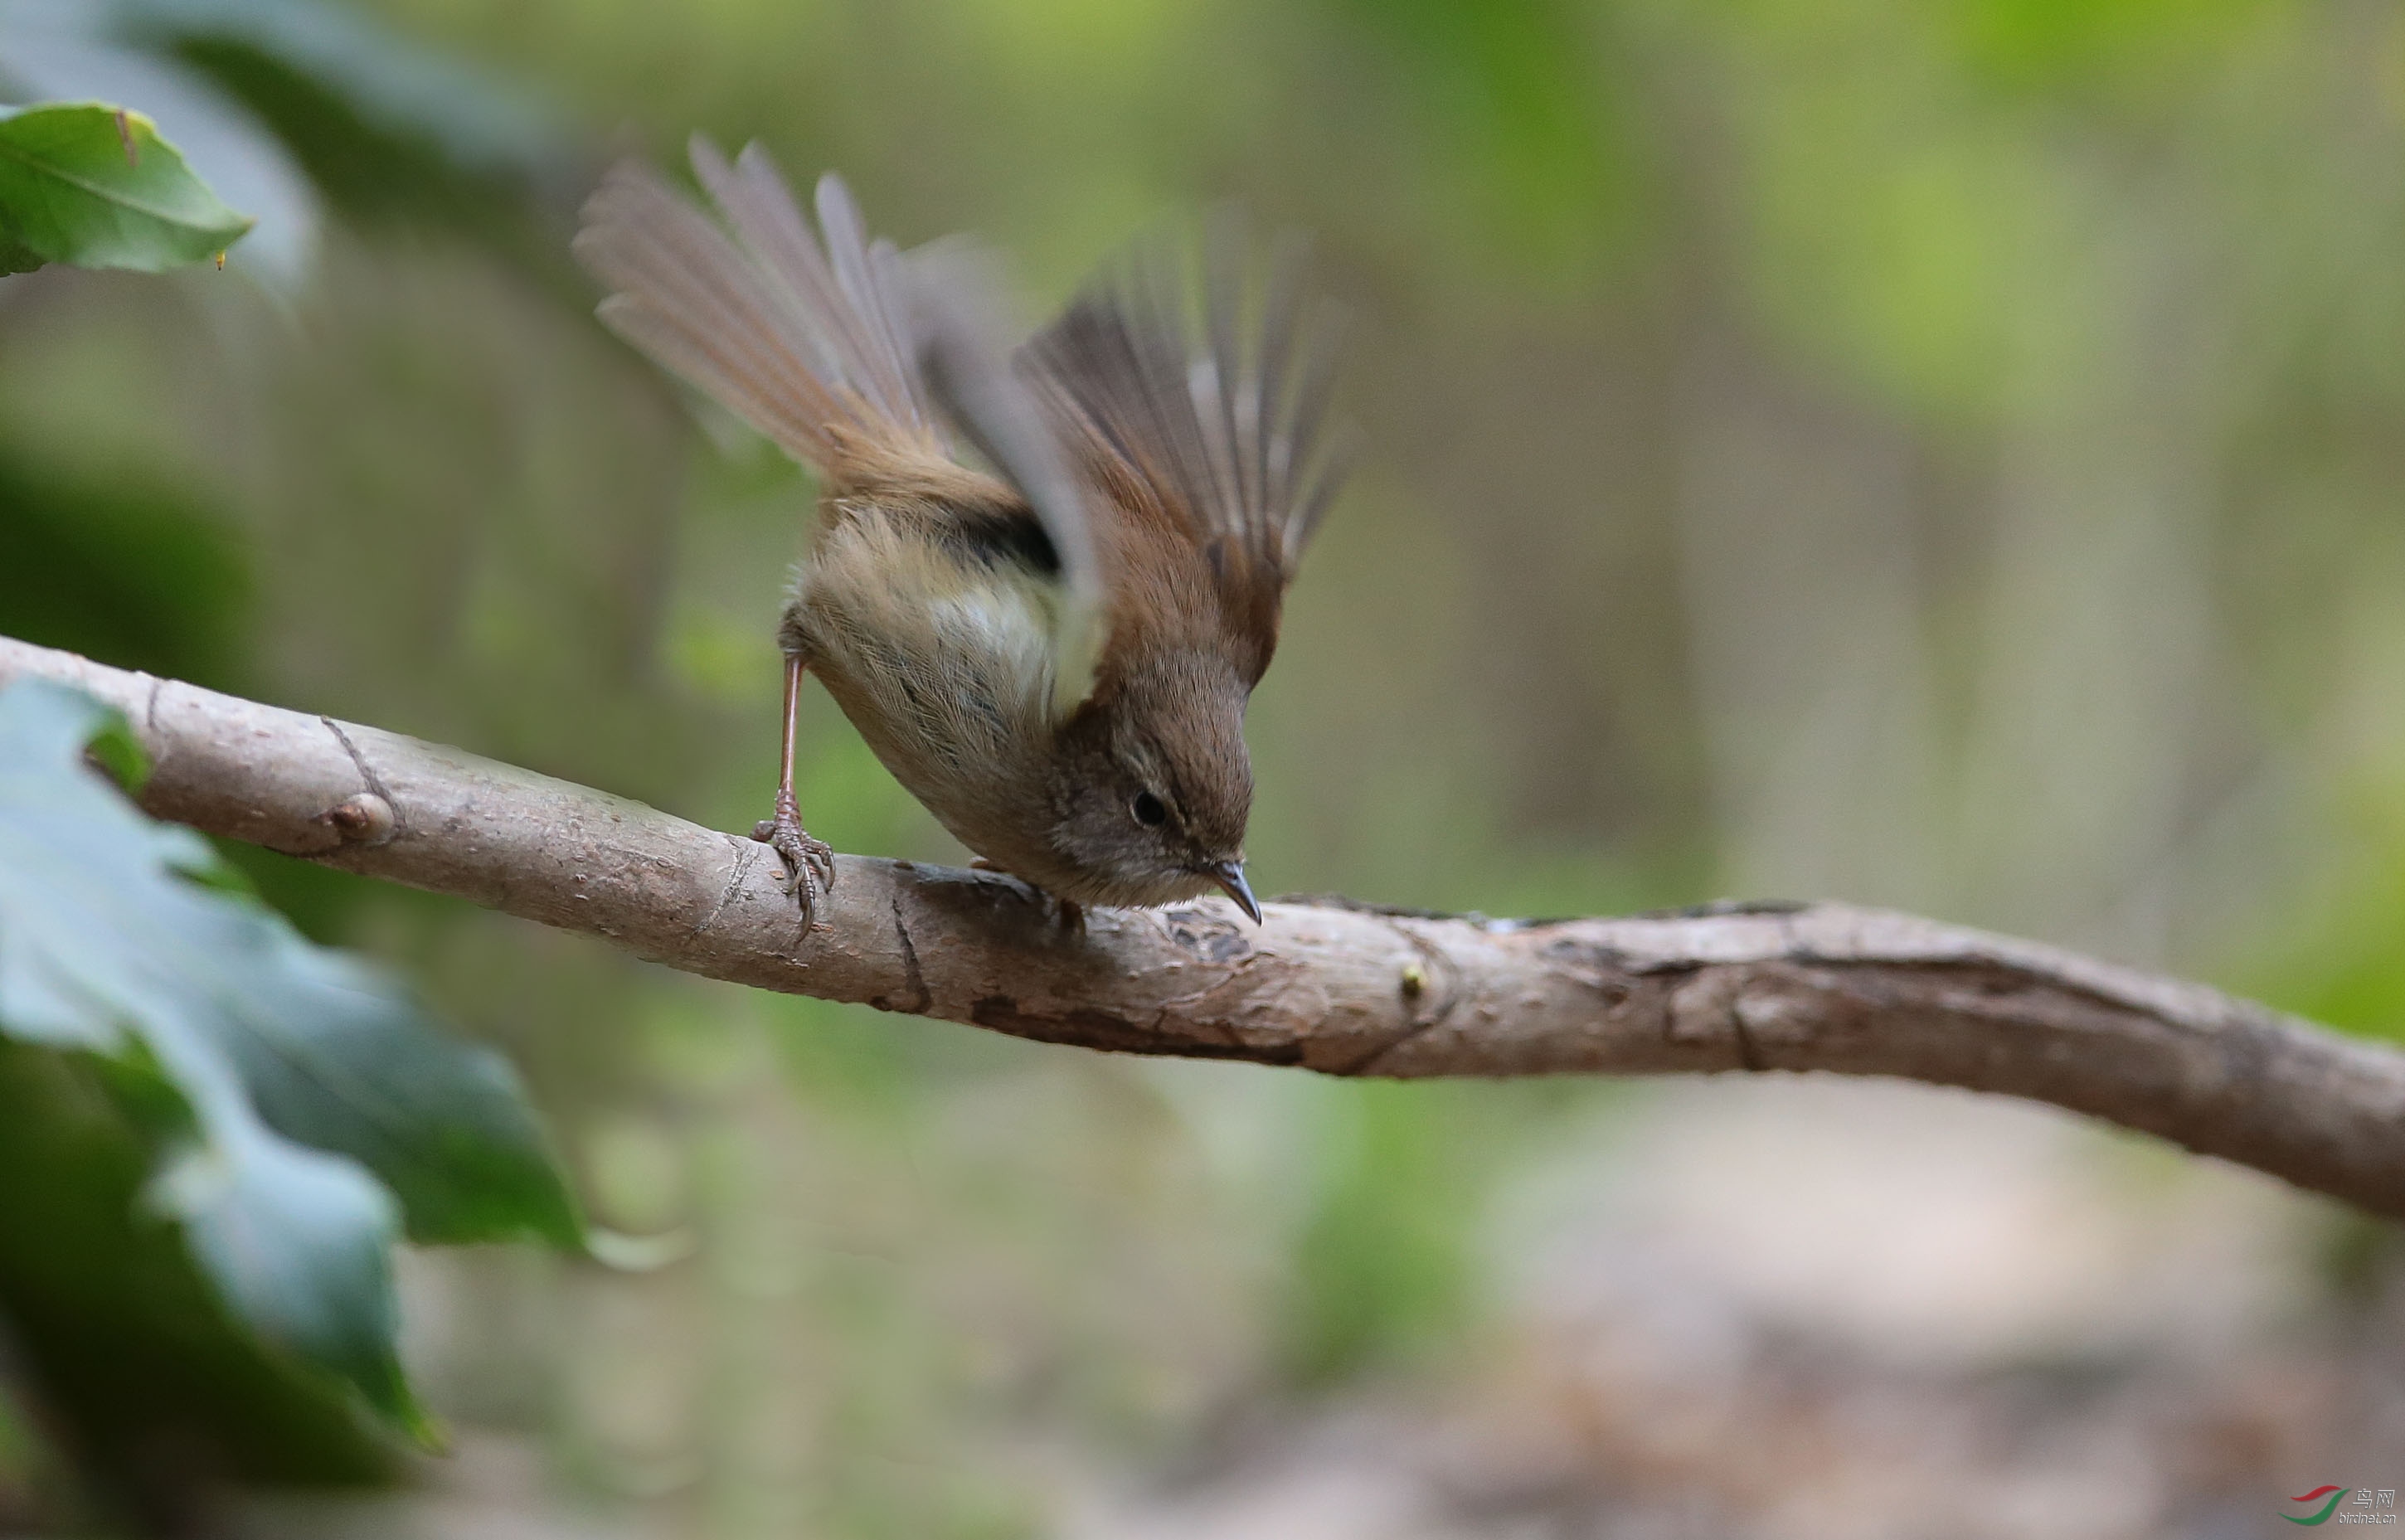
(1324, 984)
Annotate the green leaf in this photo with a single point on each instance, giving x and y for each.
(95, 186)
(298, 1066)
(335, 1058)
(14, 258)
(119, 754)
(299, 1243)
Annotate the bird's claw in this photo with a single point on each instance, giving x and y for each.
(809, 863)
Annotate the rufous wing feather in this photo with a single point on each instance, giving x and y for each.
(1218, 402)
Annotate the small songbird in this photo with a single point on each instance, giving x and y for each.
(1044, 580)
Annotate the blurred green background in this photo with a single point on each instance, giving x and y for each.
(1948, 455)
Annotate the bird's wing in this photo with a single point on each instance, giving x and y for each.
(1222, 415)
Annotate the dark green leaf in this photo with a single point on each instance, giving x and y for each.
(95, 186)
(297, 1243)
(336, 1058)
(133, 1348)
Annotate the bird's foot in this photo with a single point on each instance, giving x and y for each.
(1068, 913)
(809, 863)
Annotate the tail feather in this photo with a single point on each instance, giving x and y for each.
(806, 345)
(685, 294)
(878, 301)
(762, 213)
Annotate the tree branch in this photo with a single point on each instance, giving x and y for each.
(1324, 984)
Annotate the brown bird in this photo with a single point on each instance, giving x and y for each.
(1044, 582)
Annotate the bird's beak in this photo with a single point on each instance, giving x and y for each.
(1230, 875)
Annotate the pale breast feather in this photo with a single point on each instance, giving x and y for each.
(950, 661)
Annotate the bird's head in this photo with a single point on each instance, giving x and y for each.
(1154, 787)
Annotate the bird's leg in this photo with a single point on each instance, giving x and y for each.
(809, 863)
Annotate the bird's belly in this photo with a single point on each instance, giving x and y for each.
(946, 674)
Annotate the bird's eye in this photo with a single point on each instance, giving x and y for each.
(1148, 810)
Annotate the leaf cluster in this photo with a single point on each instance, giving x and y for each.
(300, 1111)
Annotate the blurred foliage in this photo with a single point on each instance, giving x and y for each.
(112, 569)
(1382, 1278)
(1939, 457)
